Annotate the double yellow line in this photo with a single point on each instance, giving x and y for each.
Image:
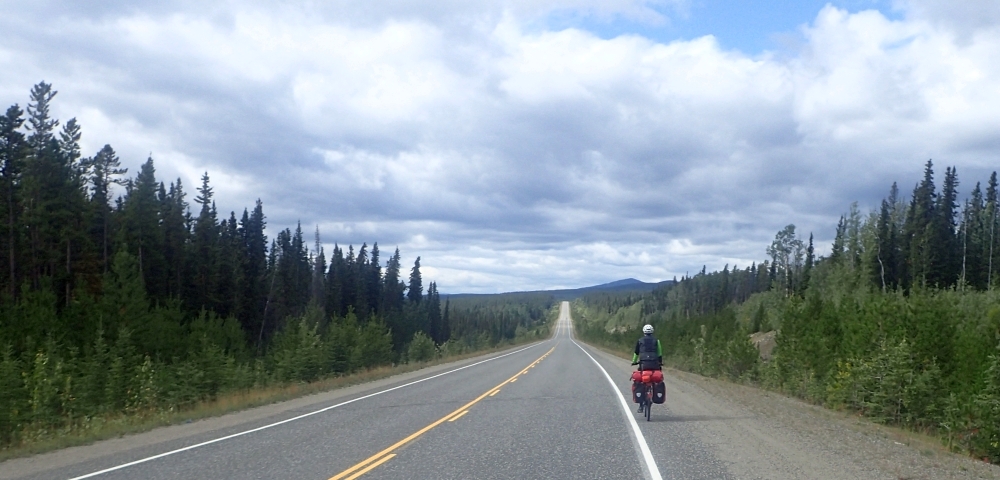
(385, 455)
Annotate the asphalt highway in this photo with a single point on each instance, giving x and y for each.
(556, 409)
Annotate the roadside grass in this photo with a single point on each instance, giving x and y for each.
(90, 430)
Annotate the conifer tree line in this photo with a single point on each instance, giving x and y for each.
(125, 304)
(900, 322)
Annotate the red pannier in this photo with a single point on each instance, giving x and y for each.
(647, 376)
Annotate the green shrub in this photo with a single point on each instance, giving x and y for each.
(421, 348)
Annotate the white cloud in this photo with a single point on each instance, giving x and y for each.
(511, 156)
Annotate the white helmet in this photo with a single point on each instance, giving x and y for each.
(647, 329)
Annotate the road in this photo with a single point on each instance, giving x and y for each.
(555, 409)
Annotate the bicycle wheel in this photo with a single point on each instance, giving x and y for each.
(649, 404)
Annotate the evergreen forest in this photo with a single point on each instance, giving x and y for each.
(899, 323)
(120, 299)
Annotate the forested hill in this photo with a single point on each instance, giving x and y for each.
(618, 286)
(901, 322)
(146, 303)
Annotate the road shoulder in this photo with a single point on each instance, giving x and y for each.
(762, 434)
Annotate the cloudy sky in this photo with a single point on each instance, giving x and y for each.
(528, 144)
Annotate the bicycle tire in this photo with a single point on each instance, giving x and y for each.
(649, 404)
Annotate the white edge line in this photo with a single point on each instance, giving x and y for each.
(227, 437)
(643, 447)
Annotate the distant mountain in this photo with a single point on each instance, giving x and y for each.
(618, 286)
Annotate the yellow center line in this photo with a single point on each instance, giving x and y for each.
(495, 392)
(379, 456)
(456, 417)
(370, 467)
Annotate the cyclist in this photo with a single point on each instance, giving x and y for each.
(648, 352)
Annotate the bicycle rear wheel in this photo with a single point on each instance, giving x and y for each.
(649, 404)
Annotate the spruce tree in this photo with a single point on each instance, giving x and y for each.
(105, 170)
(374, 280)
(415, 290)
(334, 299)
(252, 273)
(301, 272)
(973, 239)
(837, 251)
(392, 288)
(807, 269)
(992, 214)
(204, 250)
(918, 230)
(883, 270)
(176, 235)
(944, 247)
(13, 149)
(229, 257)
(318, 287)
(361, 278)
(437, 330)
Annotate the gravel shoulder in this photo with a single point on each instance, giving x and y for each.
(762, 434)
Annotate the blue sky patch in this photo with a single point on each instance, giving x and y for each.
(751, 27)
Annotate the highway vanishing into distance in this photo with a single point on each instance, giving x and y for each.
(555, 409)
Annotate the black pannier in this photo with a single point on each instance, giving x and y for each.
(659, 392)
(638, 391)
